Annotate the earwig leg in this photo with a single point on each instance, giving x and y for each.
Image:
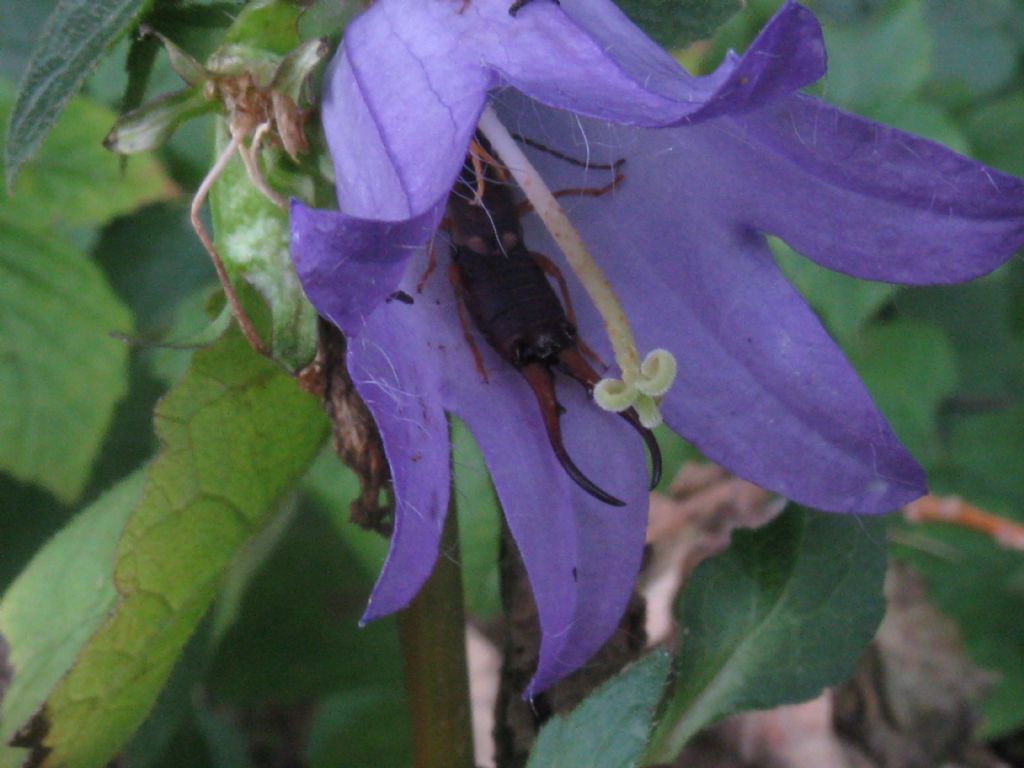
(456, 281)
(431, 266)
(483, 154)
(542, 383)
(248, 330)
(550, 268)
(525, 206)
(575, 367)
(479, 172)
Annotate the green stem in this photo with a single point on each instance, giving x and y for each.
(432, 634)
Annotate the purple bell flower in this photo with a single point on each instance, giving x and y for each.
(712, 164)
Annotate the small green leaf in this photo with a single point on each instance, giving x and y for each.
(57, 602)
(76, 35)
(910, 369)
(74, 181)
(252, 238)
(784, 612)
(677, 23)
(236, 435)
(609, 729)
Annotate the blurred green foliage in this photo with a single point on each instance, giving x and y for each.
(280, 661)
(946, 365)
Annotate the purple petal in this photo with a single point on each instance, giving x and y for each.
(761, 389)
(401, 102)
(402, 389)
(866, 199)
(404, 95)
(787, 55)
(348, 266)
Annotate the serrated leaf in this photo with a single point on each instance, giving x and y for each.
(76, 35)
(60, 371)
(57, 602)
(784, 612)
(609, 729)
(677, 23)
(62, 186)
(910, 369)
(236, 434)
(22, 21)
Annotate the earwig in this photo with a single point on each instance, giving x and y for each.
(504, 286)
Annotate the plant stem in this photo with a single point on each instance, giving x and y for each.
(432, 634)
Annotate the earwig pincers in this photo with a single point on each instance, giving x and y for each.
(505, 289)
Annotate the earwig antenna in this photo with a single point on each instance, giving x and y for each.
(569, 158)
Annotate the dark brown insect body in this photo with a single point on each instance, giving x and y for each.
(505, 288)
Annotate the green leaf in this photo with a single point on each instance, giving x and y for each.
(298, 623)
(609, 729)
(978, 318)
(910, 369)
(996, 131)
(358, 727)
(76, 35)
(878, 59)
(236, 435)
(57, 602)
(677, 23)
(252, 238)
(479, 525)
(61, 188)
(60, 371)
(781, 614)
(975, 42)
(22, 21)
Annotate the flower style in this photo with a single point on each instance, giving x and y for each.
(761, 387)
